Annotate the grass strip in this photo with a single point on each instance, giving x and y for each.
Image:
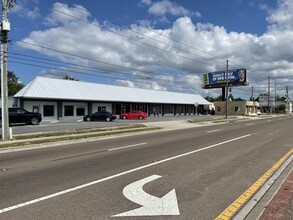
(218, 120)
(79, 131)
(69, 138)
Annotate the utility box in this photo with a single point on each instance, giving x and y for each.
(5, 25)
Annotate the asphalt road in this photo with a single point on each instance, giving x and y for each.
(46, 126)
(206, 169)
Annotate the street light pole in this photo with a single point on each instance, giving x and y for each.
(196, 108)
(269, 94)
(227, 84)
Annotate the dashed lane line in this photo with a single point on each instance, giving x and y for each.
(213, 130)
(133, 145)
(117, 175)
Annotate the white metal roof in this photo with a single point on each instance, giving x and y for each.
(50, 88)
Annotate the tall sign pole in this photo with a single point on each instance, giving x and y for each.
(227, 84)
(5, 28)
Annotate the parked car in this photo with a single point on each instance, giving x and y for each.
(258, 112)
(100, 116)
(20, 115)
(134, 115)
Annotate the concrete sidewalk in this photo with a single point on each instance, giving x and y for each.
(277, 202)
(281, 206)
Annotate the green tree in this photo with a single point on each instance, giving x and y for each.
(13, 83)
(231, 97)
(68, 77)
(238, 99)
(219, 98)
(212, 99)
(282, 99)
(209, 98)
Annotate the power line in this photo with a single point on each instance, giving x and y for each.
(79, 69)
(133, 69)
(102, 75)
(122, 36)
(87, 68)
(106, 70)
(154, 39)
(172, 39)
(130, 38)
(85, 58)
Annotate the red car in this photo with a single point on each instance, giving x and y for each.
(134, 115)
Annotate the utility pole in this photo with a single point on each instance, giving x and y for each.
(269, 93)
(287, 96)
(5, 28)
(275, 96)
(252, 99)
(227, 84)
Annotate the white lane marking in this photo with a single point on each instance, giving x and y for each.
(134, 145)
(117, 175)
(213, 130)
(151, 205)
(269, 120)
(250, 124)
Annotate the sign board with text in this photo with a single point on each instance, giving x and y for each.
(264, 100)
(236, 77)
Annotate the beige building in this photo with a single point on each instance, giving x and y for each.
(236, 107)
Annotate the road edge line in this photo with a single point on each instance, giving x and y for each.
(231, 210)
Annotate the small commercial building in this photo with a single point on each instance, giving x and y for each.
(236, 107)
(59, 99)
(276, 107)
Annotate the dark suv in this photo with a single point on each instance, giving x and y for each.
(20, 115)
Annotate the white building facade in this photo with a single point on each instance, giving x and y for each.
(59, 99)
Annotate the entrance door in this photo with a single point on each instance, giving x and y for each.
(123, 109)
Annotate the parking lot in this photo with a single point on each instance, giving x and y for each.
(45, 126)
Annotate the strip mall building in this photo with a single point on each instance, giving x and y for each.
(59, 99)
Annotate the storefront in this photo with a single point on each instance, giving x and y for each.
(59, 99)
(236, 107)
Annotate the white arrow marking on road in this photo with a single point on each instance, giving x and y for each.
(151, 205)
(115, 175)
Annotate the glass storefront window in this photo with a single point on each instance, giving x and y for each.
(49, 110)
(80, 111)
(168, 109)
(68, 110)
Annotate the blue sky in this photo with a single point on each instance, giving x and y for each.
(164, 44)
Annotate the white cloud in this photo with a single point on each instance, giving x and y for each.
(22, 9)
(62, 14)
(282, 17)
(267, 55)
(164, 7)
(126, 83)
(33, 14)
(146, 2)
